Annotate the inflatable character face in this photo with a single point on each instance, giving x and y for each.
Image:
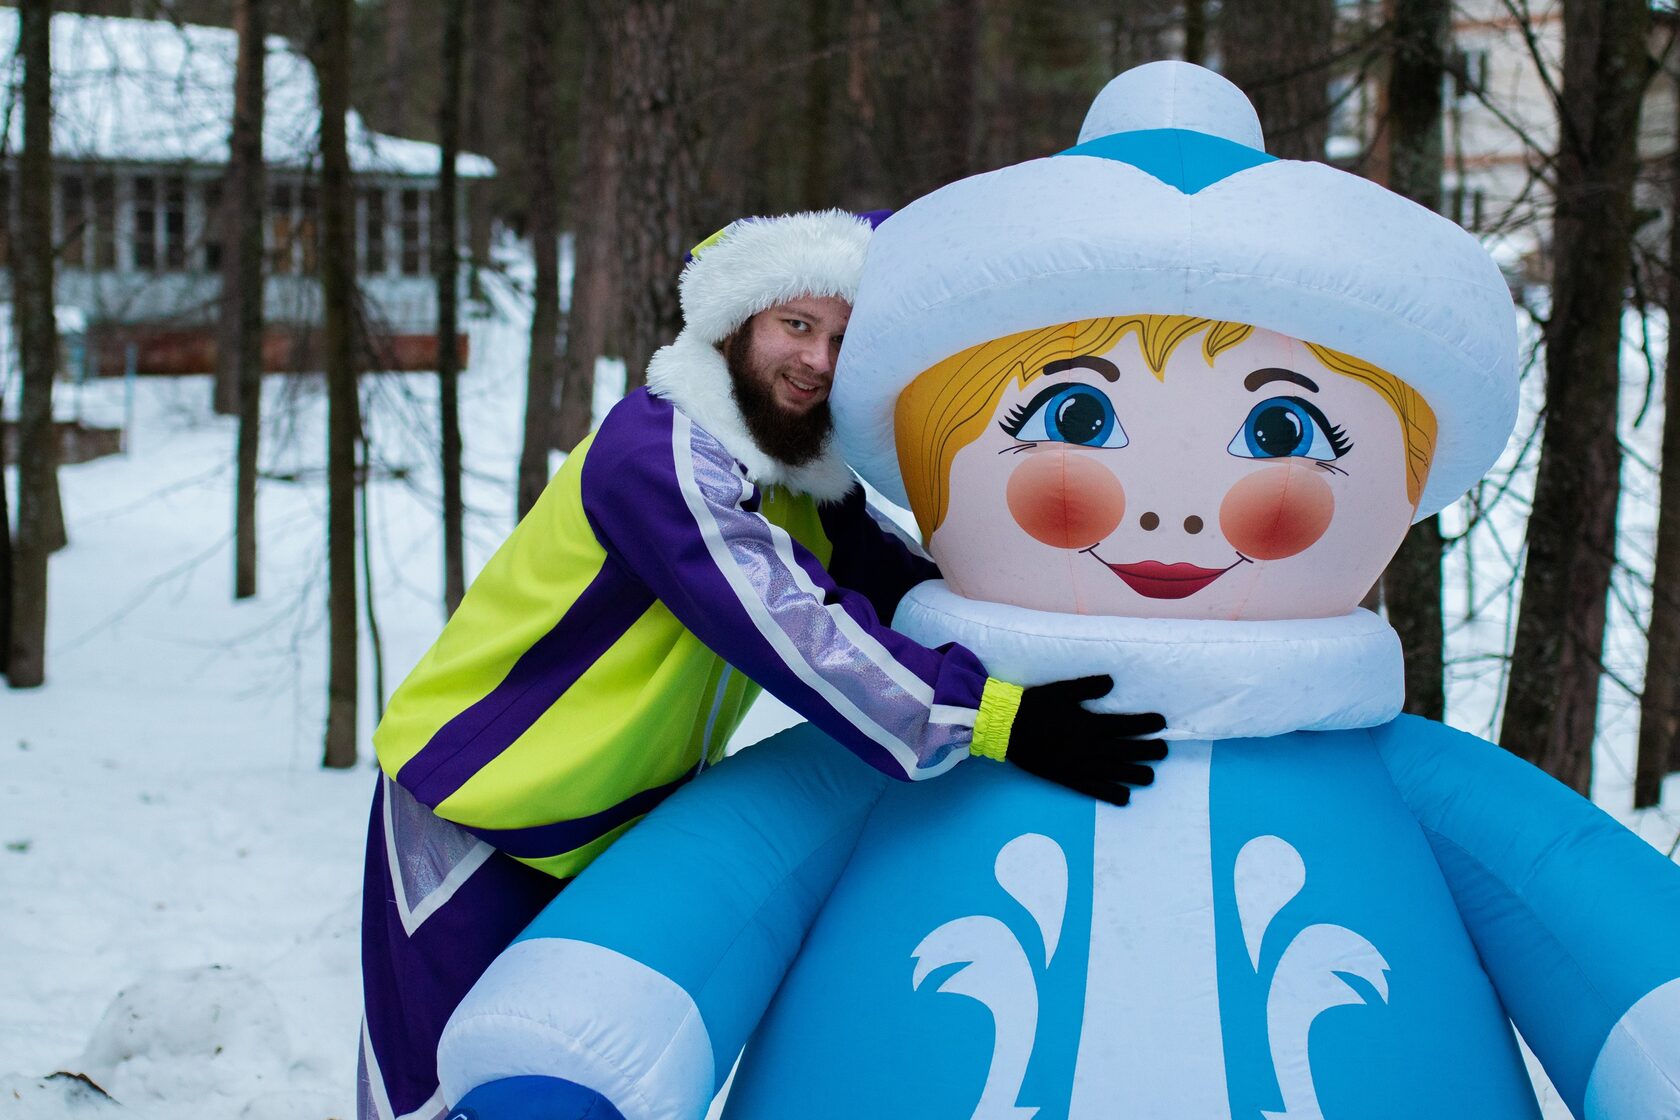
(1162, 466)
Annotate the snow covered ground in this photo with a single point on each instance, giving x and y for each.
(179, 880)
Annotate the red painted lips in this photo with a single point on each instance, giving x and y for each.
(1166, 581)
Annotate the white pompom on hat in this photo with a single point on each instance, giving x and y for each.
(756, 263)
(1170, 206)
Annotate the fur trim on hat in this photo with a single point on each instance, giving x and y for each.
(693, 375)
(760, 262)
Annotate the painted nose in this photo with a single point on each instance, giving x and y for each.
(1149, 521)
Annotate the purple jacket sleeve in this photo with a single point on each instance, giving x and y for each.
(870, 557)
(671, 504)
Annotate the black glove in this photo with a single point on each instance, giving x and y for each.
(1100, 755)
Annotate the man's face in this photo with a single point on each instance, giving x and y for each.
(781, 363)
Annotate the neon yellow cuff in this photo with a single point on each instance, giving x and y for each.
(999, 701)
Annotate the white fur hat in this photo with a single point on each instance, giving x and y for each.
(756, 263)
(1169, 205)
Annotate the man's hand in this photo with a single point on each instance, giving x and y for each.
(1103, 756)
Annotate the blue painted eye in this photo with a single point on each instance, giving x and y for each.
(1283, 427)
(1077, 414)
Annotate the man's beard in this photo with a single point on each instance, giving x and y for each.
(791, 437)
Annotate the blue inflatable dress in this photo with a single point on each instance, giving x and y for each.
(1322, 908)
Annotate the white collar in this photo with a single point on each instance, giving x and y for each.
(1210, 679)
(693, 376)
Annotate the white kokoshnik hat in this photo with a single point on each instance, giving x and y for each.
(1170, 205)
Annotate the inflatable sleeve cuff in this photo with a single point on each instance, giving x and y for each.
(999, 701)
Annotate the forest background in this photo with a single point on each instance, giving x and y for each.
(1543, 610)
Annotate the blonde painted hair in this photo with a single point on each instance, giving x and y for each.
(948, 406)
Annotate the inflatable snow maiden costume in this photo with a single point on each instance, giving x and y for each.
(1164, 407)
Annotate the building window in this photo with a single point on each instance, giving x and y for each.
(373, 231)
(104, 223)
(72, 209)
(413, 233)
(145, 224)
(213, 221)
(280, 229)
(1469, 70)
(174, 224)
(1468, 207)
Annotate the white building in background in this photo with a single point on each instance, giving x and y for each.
(1500, 127)
(1501, 123)
(142, 112)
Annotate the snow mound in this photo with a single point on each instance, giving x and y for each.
(190, 1035)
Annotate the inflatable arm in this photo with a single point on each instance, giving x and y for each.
(636, 988)
(1549, 887)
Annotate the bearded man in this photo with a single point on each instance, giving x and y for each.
(704, 542)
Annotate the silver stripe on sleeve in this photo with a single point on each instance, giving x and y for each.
(953, 715)
(857, 635)
(763, 581)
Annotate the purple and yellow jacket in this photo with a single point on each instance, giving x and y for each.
(613, 643)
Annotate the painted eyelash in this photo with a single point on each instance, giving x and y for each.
(1336, 434)
(1017, 417)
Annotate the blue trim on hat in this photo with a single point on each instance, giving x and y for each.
(1178, 157)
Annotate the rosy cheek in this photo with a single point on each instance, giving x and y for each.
(1065, 499)
(1277, 512)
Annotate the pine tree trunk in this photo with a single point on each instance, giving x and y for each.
(242, 307)
(38, 343)
(338, 294)
(1195, 31)
(396, 75)
(447, 267)
(543, 204)
(861, 173)
(595, 287)
(661, 179)
(817, 174)
(1412, 584)
(960, 55)
(484, 51)
(5, 552)
(1279, 53)
(1551, 706)
(1659, 705)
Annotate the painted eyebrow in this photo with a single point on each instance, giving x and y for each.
(1265, 376)
(1108, 369)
